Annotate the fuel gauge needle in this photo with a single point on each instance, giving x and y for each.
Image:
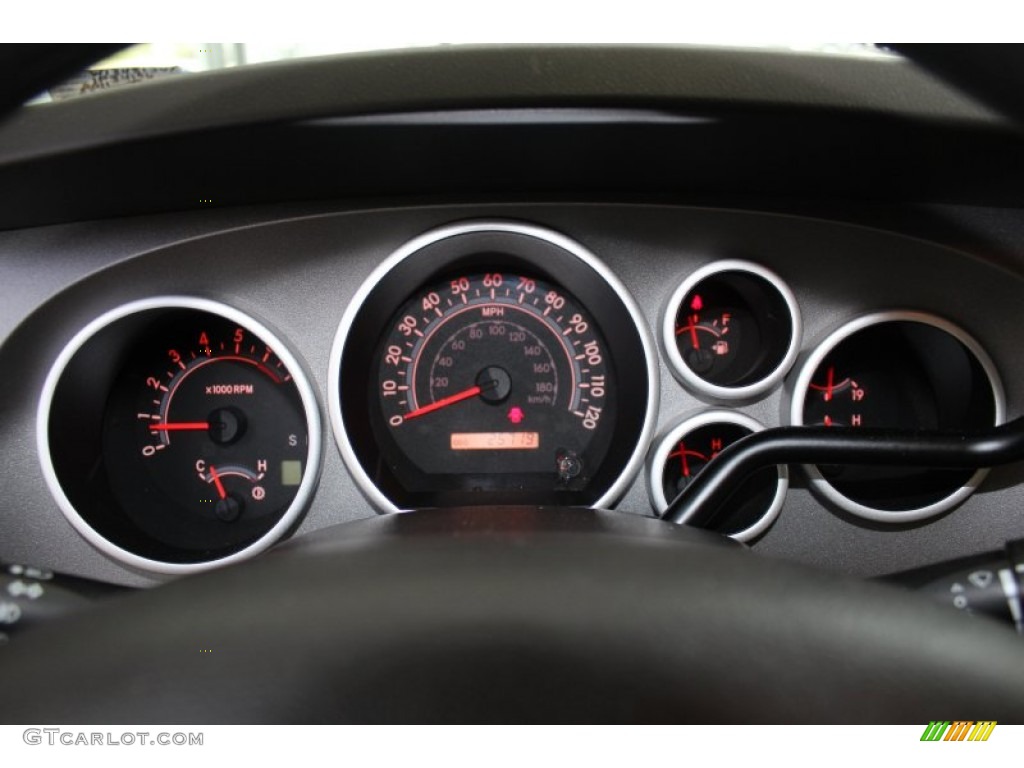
(179, 426)
(216, 481)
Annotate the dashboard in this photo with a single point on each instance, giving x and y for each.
(696, 325)
(228, 327)
(541, 296)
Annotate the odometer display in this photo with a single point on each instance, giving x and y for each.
(498, 354)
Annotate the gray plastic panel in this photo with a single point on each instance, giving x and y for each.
(298, 274)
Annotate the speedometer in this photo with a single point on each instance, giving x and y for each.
(493, 363)
(496, 373)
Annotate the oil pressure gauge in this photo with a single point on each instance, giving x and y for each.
(179, 433)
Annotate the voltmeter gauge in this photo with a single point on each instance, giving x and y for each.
(180, 433)
(731, 330)
(900, 370)
(682, 452)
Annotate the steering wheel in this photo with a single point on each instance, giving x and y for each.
(514, 615)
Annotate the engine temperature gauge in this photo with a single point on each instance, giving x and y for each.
(685, 449)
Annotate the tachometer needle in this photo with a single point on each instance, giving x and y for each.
(216, 481)
(179, 426)
(444, 402)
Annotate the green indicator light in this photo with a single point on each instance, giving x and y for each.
(291, 472)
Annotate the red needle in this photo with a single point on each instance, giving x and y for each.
(693, 331)
(686, 465)
(216, 481)
(828, 389)
(444, 402)
(181, 425)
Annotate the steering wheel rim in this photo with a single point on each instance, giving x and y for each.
(515, 615)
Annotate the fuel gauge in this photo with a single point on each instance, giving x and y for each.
(731, 330)
(682, 452)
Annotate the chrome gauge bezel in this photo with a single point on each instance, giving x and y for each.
(820, 484)
(336, 369)
(307, 394)
(685, 425)
(686, 376)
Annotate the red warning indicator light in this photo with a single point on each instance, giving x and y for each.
(515, 414)
(697, 304)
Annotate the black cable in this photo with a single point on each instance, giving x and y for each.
(704, 498)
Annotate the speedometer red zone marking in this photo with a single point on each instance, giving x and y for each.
(425, 339)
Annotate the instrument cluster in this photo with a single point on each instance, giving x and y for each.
(485, 363)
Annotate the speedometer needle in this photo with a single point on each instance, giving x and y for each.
(179, 426)
(444, 402)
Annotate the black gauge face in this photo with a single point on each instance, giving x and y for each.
(493, 375)
(203, 441)
(732, 329)
(691, 450)
(492, 367)
(906, 375)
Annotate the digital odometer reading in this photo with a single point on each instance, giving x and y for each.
(495, 374)
(495, 441)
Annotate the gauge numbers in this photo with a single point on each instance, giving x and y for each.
(900, 370)
(495, 372)
(178, 434)
(492, 362)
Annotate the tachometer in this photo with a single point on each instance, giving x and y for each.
(492, 364)
(179, 433)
